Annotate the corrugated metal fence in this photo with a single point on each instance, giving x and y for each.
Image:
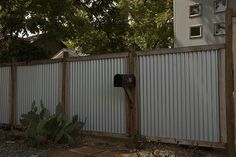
(37, 83)
(179, 96)
(93, 97)
(5, 80)
(178, 93)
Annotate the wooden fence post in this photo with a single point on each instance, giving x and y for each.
(234, 62)
(65, 84)
(223, 127)
(13, 94)
(129, 103)
(229, 86)
(136, 96)
(132, 107)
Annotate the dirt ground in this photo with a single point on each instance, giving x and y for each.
(122, 148)
(110, 147)
(13, 145)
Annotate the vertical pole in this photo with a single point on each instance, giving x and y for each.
(234, 62)
(229, 86)
(223, 128)
(129, 106)
(13, 94)
(136, 96)
(132, 107)
(65, 83)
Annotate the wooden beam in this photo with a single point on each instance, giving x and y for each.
(234, 62)
(105, 134)
(182, 50)
(5, 64)
(129, 95)
(187, 142)
(121, 55)
(37, 62)
(5, 126)
(129, 103)
(99, 56)
(222, 84)
(229, 86)
(65, 84)
(133, 105)
(13, 94)
(136, 95)
(128, 116)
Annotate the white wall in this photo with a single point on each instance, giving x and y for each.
(207, 20)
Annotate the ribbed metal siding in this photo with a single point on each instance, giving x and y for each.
(93, 97)
(36, 83)
(179, 96)
(4, 95)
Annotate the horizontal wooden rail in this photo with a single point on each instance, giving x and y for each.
(7, 126)
(82, 58)
(121, 55)
(181, 50)
(103, 134)
(188, 142)
(153, 139)
(99, 56)
(36, 62)
(5, 64)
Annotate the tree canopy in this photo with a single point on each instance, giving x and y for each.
(89, 26)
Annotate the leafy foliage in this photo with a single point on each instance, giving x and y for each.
(23, 50)
(57, 18)
(41, 127)
(119, 24)
(90, 26)
(151, 23)
(138, 141)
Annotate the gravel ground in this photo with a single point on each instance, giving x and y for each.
(12, 145)
(152, 149)
(20, 150)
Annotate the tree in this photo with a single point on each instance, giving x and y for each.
(116, 25)
(89, 26)
(20, 18)
(61, 19)
(109, 25)
(23, 50)
(151, 23)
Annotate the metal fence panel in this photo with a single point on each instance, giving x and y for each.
(4, 95)
(179, 96)
(37, 83)
(92, 95)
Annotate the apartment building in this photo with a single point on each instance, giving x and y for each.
(200, 22)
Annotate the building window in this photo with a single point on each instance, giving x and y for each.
(195, 10)
(220, 5)
(195, 31)
(220, 28)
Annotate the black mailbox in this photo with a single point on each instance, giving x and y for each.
(124, 80)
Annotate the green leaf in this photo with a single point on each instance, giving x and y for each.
(44, 114)
(69, 139)
(59, 136)
(41, 127)
(34, 107)
(41, 104)
(75, 119)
